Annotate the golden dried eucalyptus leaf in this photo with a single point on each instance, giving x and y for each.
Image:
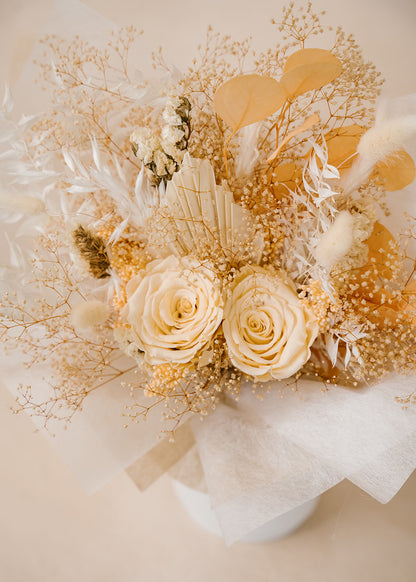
(284, 179)
(307, 124)
(309, 69)
(246, 99)
(391, 310)
(342, 144)
(286, 172)
(397, 171)
(382, 243)
(408, 302)
(383, 251)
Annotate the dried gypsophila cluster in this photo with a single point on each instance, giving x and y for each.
(235, 197)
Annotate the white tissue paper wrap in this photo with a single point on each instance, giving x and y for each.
(260, 458)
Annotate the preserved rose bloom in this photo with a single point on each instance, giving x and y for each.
(173, 309)
(267, 328)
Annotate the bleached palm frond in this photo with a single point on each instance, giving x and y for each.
(205, 214)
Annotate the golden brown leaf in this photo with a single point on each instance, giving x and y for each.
(342, 144)
(408, 302)
(382, 249)
(308, 123)
(246, 99)
(309, 69)
(380, 244)
(284, 178)
(397, 171)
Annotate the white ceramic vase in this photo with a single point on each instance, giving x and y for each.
(198, 506)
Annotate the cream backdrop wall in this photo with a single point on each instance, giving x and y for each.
(50, 530)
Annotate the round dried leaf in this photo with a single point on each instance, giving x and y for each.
(284, 179)
(342, 145)
(246, 99)
(309, 69)
(380, 245)
(397, 171)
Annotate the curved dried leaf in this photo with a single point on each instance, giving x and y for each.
(309, 69)
(391, 308)
(381, 244)
(408, 301)
(308, 56)
(287, 172)
(307, 124)
(397, 171)
(382, 252)
(342, 145)
(246, 99)
(285, 178)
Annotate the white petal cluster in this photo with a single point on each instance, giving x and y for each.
(173, 309)
(163, 155)
(268, 330)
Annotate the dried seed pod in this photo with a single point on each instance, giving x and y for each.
(92, 249)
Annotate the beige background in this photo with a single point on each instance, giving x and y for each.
(50, 530)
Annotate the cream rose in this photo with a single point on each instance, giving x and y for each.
(173, 309)
(268, 330)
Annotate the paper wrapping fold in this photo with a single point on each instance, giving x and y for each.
(161, 458)
(268, 456)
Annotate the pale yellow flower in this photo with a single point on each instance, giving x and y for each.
(268, 330)
(173, 309)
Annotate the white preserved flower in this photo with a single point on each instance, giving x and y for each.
(173, 309)
(267, 328)
(164, 164)
(170, 114)
(172, 151)
(145, 144)
(172, 135)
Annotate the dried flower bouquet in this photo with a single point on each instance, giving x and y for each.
(210, 236)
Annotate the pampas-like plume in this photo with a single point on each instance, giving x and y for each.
(335, 243)
(92, 249)
(21, 203)
(89, 313)
(392, 129)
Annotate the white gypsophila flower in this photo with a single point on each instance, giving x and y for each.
(89, 313)
(268, 330)
(173, 309)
